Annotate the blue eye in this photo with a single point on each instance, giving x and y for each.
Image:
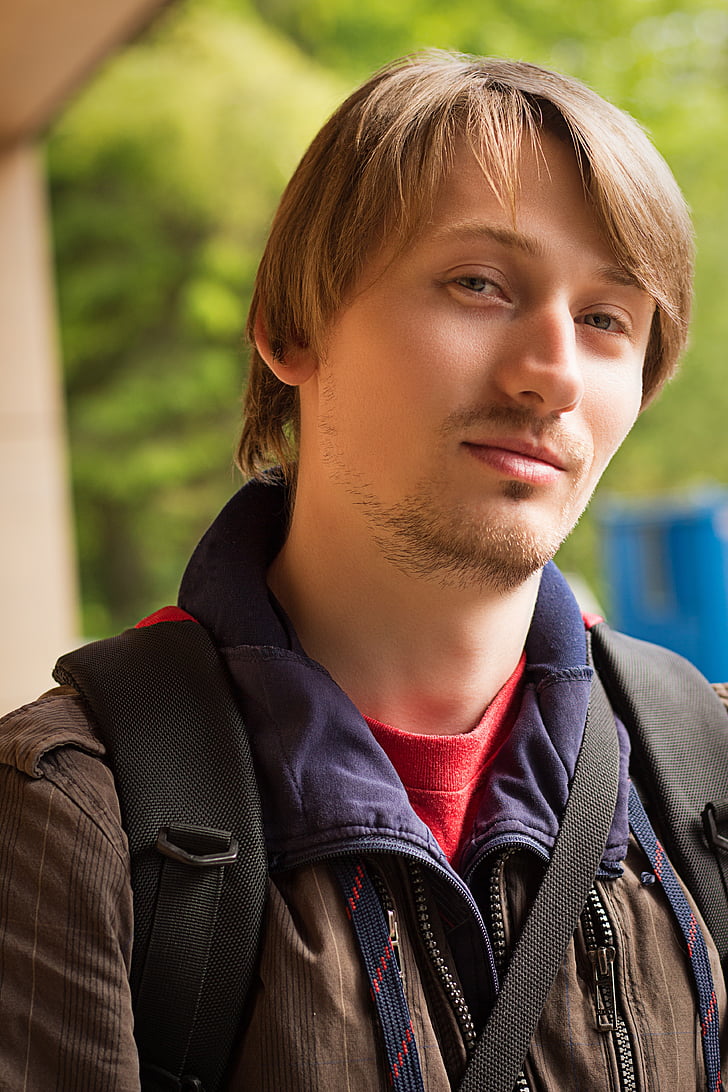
(599, 320)
(479, 285)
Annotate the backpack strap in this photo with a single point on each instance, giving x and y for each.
(162, 703)
(503, 1044)
(679, 732)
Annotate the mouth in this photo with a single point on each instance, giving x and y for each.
(519, 460)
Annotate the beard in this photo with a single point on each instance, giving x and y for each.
(454, 549)
(427, 536)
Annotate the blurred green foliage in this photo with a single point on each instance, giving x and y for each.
(164, 175)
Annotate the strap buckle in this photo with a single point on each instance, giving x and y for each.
(154, 1079)
(176, 852)
(710, 825)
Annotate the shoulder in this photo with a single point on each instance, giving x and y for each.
(30, 733)
(51, 756)
(65, 905)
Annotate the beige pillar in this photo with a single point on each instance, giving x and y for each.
(38, 610)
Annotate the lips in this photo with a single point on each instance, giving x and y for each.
(530, 450)
(519, 460)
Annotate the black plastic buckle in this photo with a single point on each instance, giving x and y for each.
(197, 860)
(156, 1079)
(710, 826)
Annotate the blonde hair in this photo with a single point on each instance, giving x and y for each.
(374, 170)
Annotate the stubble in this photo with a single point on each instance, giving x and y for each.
(429, 536)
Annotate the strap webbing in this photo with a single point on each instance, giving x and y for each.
(162, 702)
(366, 914)
(715, 827)
(504, 1042)
(694, 939)
(188, 903)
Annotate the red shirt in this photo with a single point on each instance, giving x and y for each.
(444, 775)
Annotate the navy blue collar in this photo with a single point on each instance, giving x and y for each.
(224, 586)
(325, 777)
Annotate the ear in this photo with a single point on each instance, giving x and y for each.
(294, 366)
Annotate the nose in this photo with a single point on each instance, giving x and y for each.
(541, 366)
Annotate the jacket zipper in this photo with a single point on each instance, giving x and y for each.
(366, 847)
(418, 863)
(599, 937)
(498, 930)
(449, 984)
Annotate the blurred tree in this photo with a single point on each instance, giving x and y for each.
(163, 179)
(164, 176)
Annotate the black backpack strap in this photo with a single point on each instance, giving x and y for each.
(162, 703)
(679, 732)
(503, 1044)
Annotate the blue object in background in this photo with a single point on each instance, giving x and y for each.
(667, 571)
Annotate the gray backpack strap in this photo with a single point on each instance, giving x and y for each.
(161, 701)
(506, 1037)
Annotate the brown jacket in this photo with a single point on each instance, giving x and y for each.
(66, 929)
(65, 940)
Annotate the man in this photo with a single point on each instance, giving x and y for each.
(477, 277)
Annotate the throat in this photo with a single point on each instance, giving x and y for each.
(407, 652)
(445, 774)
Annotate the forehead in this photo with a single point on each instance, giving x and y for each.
(537, 206)
(542, 190)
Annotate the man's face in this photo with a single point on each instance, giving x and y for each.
(474, 387)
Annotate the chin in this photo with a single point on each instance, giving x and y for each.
(497, 554)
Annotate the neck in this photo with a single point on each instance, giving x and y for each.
(408, 651)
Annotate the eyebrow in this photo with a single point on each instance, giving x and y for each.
(527, 244)
(616, 274)
(478, 229)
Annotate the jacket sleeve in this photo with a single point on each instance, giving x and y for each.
(65, 908)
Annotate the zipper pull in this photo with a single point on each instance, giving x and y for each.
(394, 941)
(604, 988)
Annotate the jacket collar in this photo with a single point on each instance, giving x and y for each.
(323, 776)
(225, 579)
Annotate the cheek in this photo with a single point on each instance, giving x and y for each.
(365, 403)
(614, 415)
(384, 369)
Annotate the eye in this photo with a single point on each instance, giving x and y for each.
(600, 320)
(481, 286)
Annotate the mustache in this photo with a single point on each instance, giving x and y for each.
(519, 420)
